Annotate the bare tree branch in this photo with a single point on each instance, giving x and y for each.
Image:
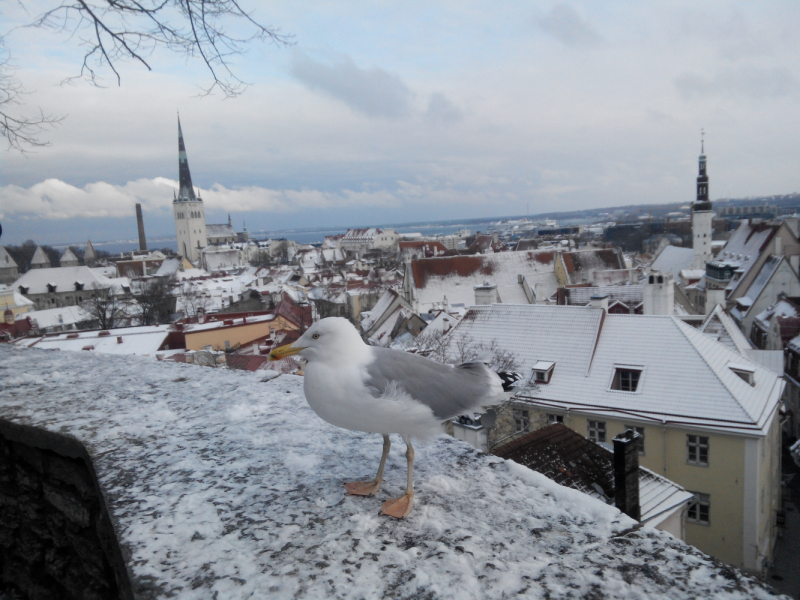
(116, 31)
(20, 132)
(123, 30)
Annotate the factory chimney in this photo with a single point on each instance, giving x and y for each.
(140, 222)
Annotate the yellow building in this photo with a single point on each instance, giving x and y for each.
(15, 302)
(225, 334)
(708, 416)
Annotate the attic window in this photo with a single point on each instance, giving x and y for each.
(744, 372)
(626, 379)
(542, 371)
(51, 287)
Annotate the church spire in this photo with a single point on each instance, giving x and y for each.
(186, 192)
(702, 202)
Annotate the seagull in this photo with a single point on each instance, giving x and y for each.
(378, 390)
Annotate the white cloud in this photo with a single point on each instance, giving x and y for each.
(55, 200)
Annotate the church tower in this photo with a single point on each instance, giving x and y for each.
(702, 214)
(190, 216)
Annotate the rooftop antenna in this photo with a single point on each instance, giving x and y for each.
(702, 140)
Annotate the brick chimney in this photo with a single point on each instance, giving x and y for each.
(140, 223)
(626, 474)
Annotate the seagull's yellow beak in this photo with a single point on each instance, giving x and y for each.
(284, 351)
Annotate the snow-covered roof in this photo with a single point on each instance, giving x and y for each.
(40, 257)
(382, 335)
(719, 326)
(581, 264)
(219, 230)
(69, 257)
(141, 341)
(745, 245)
(218, 484)
(10, 298)
(588, 346)
(455, 276)
(673, 259)
(6, 261)
(388, 298)
(169, 267)
(768, 269)
(36, 281)
(220, 258)
(53, 317)
(362, 235)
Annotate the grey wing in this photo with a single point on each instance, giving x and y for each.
(447, 390)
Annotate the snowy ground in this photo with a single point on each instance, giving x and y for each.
(222, 485)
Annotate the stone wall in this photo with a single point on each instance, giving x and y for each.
(56, 540)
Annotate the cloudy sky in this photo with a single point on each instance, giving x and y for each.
(386, 112)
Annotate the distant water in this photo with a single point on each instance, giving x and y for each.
(303, 236)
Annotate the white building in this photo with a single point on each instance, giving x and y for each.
(188, 210)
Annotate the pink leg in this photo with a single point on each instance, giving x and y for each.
(400, 507)
(370, 488)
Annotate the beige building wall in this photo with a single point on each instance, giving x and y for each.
(7, 301)
(238, 334)
(666, 454)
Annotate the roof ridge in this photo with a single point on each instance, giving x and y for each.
(684, 329)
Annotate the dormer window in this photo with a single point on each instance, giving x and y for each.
(78, 286)
(542, 372)
(626, 379)
(745, 372)
(51, 287)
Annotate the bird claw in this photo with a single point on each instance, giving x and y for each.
(398, 507)
(363, 488)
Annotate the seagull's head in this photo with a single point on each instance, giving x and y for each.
(331, 337)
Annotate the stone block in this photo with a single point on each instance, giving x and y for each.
(68, 504)
(29, 547)
(26, 479)
(29, 455)
(91, 555)
(70, 471)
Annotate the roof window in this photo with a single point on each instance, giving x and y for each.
(626, 379)
(745, 372)
(542, 372)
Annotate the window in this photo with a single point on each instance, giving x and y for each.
(697, 450)
(542, 371)
(597, 431)
(522, 420)
(626, 380)
(744, 371)
(640, 439)
(555, 419)
(699, 509)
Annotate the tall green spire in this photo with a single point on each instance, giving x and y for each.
(186, 192)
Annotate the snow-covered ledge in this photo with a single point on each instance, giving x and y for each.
(219, 484)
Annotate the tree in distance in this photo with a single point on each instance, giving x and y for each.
(117, 31)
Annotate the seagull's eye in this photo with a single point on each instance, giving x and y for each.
(315, 336)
